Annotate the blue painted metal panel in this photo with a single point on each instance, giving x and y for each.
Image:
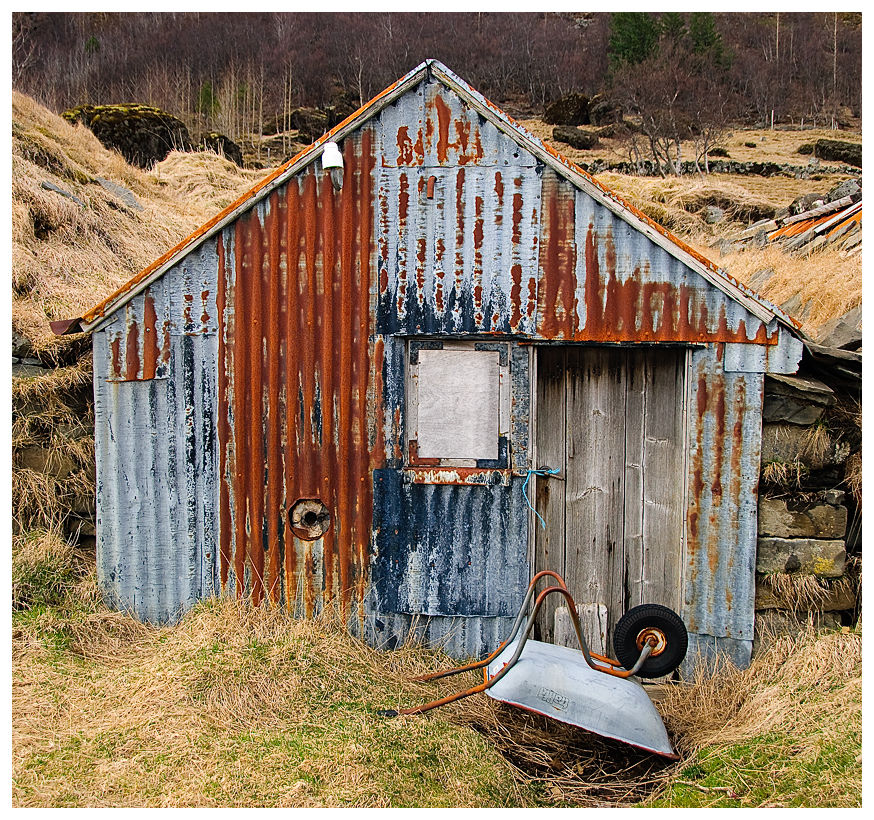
(459, 637)
(448, 549)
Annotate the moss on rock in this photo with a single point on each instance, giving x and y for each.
(222, 145)
(144, 135)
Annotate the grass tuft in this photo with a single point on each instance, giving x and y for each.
(805, 593)
(784, 473)
(236, 705)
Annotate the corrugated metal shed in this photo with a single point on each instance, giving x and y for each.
(259, 369)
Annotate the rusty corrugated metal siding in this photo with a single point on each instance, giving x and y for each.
(268, 367)
(724, 457)
(628, 289)
(726, 389)
(477, 236)
(458, 221)
(298, 385)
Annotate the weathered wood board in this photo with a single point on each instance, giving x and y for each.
(611, 420)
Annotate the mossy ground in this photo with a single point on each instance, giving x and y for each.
(771, 770)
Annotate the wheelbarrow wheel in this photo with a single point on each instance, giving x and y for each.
(651, 622)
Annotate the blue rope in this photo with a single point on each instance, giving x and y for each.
(525, 493)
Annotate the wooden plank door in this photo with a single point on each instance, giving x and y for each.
(611, 420)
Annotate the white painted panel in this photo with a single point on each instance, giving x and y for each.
(458, 404)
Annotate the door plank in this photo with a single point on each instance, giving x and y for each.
(550, 503)
(594, 526)
(635, 411)
(663, 479)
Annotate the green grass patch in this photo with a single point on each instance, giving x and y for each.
(785, 732)
(770, 770)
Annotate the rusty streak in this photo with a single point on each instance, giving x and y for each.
(442, 129)
(150, 337)
(222, 425)
(273, 419)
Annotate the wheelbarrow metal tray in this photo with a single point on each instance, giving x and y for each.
(557, 682)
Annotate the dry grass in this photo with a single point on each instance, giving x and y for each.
(244, 706)
(815, 289)
(853, 477)
(67, 256)
(52, 423)
(572, 767)
(676, 202)
(784, 473)
(817, 444)
(234, 706)
(204, 181)
(804, 593)
(738, 705)
(45, 569)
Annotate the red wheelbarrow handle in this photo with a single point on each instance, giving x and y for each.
(562, 590)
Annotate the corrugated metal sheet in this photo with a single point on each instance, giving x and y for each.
(449, 549)
(725, 425)
(626, 288)
(156, 450)
(458, 221)
(493, 247)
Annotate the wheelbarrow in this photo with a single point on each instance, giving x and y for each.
(577, 686)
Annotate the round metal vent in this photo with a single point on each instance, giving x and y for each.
(309, 519)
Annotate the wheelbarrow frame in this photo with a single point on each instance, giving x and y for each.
(600, 663)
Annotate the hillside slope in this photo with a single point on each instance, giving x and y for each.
(84, 221)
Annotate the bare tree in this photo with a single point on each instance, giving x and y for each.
(23, 45)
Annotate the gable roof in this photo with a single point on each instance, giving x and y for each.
(662, 237)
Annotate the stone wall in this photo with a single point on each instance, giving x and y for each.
(806, 572)
(53, 441)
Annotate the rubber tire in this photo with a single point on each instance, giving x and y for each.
(662, 618)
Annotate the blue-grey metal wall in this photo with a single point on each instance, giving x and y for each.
(155, 422)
